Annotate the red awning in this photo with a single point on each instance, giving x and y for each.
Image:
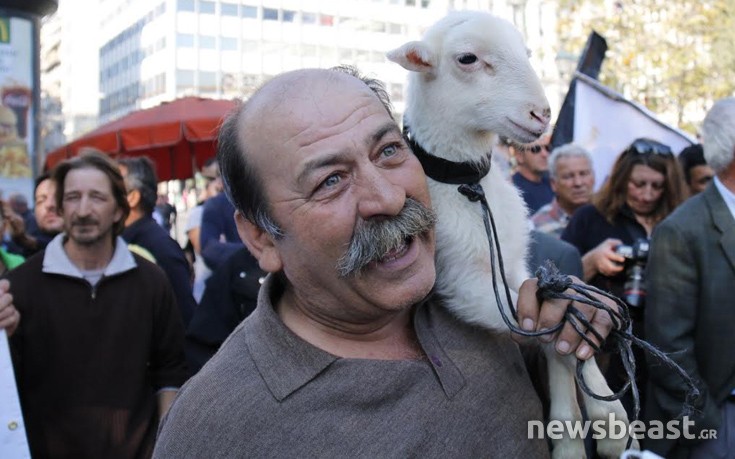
(175, 135)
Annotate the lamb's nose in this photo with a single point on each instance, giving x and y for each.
(542, 115)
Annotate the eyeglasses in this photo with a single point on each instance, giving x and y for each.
(535, 149)
(645, 146)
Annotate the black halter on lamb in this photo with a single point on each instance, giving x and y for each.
(470, 80)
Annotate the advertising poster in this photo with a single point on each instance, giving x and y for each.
(16, 106)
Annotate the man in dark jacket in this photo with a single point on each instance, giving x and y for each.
(96, 341)
(689, 308)
(142, 231)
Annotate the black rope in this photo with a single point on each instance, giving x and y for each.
(554, 285)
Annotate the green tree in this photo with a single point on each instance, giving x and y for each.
(673, 56)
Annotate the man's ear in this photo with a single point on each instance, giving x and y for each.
(134, 198)
(259, 243)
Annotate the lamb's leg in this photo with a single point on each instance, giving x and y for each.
(601, 410)
(564, 406)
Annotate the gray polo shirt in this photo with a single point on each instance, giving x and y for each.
(268, 393)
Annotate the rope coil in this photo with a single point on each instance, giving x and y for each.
(554, 285)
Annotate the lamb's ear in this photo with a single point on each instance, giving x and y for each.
(415, 56)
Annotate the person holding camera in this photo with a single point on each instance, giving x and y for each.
(611, 233)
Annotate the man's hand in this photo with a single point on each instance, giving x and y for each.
(533, 316)
(9, 316)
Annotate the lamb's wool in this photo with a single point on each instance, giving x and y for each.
(470, 81)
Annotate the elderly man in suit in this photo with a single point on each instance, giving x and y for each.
(690, 311)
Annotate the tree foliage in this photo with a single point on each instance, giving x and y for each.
(676, 57)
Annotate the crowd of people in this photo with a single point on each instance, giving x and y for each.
(108, 316)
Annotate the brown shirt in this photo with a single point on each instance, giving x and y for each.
(269, 393)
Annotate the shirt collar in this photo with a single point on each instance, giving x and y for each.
(287, 363)
(727, 195)
(556, 212)
(56, 260)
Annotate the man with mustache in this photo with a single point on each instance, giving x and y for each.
(97, 340)
(346, 354)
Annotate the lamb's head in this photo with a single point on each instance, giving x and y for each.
(471, 77)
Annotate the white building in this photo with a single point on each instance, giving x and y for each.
(69, 72)
(150, 51)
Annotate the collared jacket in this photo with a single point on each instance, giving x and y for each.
(690, 315)
(90, 359)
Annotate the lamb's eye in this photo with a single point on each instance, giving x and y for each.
(467, 59)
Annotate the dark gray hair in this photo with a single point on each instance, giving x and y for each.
(243, 186)
(141, 176)
(569, 150)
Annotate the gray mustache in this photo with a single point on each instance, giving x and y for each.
(375, 238)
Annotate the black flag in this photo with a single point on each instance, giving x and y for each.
(589, 64)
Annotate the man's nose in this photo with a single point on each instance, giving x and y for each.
(378, 196)
(85, 206)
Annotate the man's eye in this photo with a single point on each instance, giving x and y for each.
(331, 181)
(390, 150)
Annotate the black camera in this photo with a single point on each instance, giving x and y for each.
(636, 255)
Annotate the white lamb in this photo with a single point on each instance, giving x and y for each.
(471, 80)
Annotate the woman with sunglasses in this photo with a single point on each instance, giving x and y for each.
(645, 185)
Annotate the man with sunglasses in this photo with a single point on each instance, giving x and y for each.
(532, 172)
(689, 311)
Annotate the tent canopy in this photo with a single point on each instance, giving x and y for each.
(178, 136)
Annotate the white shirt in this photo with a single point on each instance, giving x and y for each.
(727, 195)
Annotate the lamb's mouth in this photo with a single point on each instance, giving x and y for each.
(522, 134)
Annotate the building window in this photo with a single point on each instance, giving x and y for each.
(249, 11)
(206, 7)
(396, 92)
(395, 28)
(308, 18)
(289, 16)
(185, 5)
(345, 54)
(326, 20)
(207, 42)
(184, 79)
(228, 9)
(270, 14)
(184, 40)
(208, 81)
(249, 46)
(410, 2)
(228, 44)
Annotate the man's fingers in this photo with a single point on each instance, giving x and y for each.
(601, 323)
(569, 336)
(527, 305)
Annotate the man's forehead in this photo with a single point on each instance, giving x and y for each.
(291, 96)
(302, 103)
(87, 178)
